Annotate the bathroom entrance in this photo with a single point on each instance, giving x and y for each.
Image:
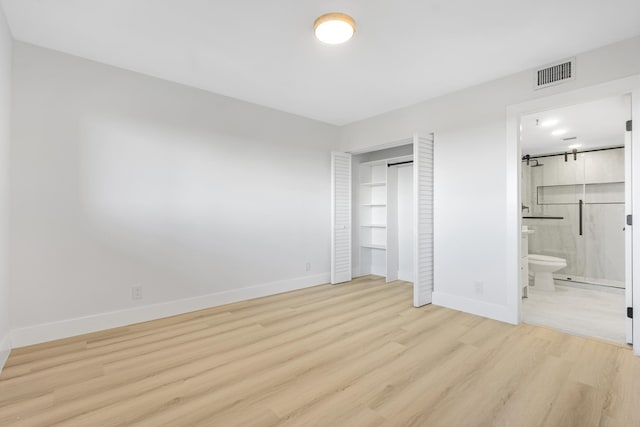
(574, 205)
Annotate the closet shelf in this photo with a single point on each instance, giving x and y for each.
(373, 184)
(374, 205)
(373, 225)
(372, 246)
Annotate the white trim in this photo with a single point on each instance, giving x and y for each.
(29, 335)
(613, 88)
(5, 349)
(514, 220)
(473, 306)
(628, 231)
(635, 208)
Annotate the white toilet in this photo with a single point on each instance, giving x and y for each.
(542, 267)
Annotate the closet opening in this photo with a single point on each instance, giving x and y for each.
(382, 216)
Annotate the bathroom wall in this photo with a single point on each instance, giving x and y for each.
(555, 189)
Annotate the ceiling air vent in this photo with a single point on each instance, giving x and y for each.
(556, 73)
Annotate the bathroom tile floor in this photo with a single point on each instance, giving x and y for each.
(585, 311)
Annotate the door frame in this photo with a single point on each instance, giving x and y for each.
(625, 86)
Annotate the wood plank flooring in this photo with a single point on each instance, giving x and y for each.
(356, 354)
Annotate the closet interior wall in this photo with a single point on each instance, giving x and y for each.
(378, 237)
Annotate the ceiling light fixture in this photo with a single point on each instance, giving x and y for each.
(549, 123)
(573, 146)
(334, 28)
(558, 132)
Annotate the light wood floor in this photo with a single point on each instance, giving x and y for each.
(354, 354)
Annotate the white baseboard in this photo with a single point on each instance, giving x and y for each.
(468, 305)
(5, 349)
(36, 334)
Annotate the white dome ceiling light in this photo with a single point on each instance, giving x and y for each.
(334, 28)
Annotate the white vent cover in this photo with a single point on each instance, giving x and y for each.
(553, 74)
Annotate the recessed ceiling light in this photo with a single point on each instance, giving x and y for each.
(558, 132)
(334, 28)
(572, 146)
(549, 123)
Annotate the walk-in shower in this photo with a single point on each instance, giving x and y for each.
(575, 204)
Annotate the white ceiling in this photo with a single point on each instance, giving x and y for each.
(404, 51)
(595, 124)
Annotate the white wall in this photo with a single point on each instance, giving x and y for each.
(471, 238)
(5, 120)
(120, 179)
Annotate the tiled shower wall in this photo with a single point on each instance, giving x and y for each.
(555, 189)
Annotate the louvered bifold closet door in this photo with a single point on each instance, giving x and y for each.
(423, 221)
(340, 217)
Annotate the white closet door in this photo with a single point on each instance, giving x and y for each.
(423, 220)
(340, 217)
(628, 249)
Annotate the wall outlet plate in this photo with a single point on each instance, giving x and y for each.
(136, 292)
(479, 287)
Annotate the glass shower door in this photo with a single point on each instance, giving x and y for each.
(581, 201)
(572, 247)
(560, 202)
(604, 218)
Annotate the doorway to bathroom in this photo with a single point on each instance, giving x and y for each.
(576, 245)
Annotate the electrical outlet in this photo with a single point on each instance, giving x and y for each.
(308, 266)
(136, 292)
(479, 288)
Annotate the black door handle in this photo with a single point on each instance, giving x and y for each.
(580, 203)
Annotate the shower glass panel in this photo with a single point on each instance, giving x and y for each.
(604, 218)
(560, 193)
(587, 192)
